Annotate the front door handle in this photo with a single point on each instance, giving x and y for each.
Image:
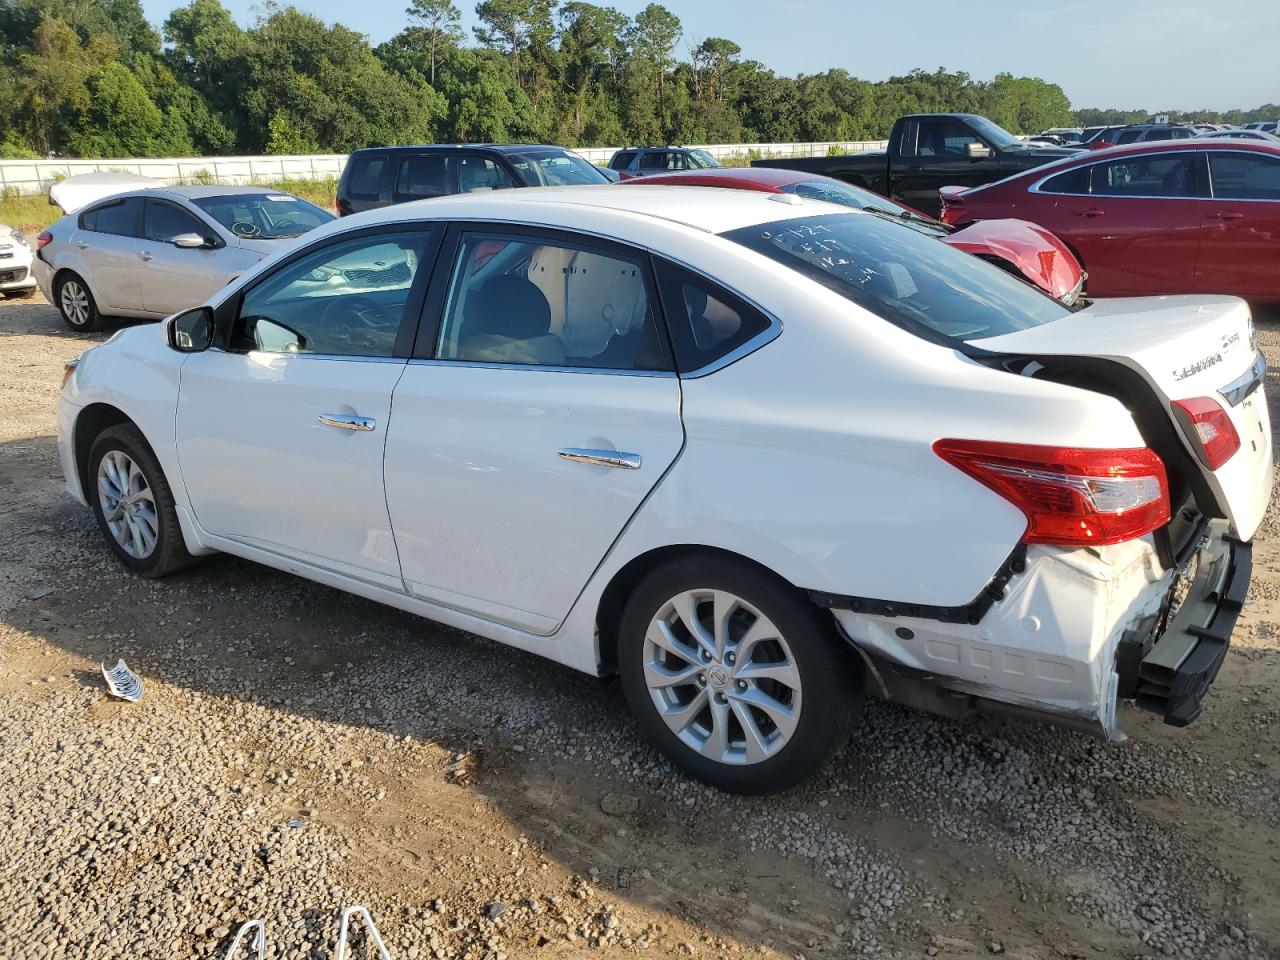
(602, 458)
(345, 421)
(82, 244)
(1091, 212)
(1228, 215)
(145, 255)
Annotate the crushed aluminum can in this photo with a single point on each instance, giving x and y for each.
(259, 943)
(123, 682)
(370, 929)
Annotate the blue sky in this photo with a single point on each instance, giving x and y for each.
(1184, 54)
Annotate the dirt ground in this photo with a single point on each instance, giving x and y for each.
(299, 750)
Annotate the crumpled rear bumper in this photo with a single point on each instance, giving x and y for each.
(1170, 672)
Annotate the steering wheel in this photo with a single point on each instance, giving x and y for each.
(351, 311)
(245, 228)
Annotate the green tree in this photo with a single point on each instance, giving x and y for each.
(652, 39)
(56, 74)
(440, 28)
(120, 119)
(519, 29)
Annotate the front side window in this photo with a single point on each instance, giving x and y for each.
(119, 217)
(419, 178)
(345, 299)
(167, 220)
(945, 138)
(1245, 176)
(481, 174)
(513, 299)
(903, 276)
(264, 216)
(1149, 175)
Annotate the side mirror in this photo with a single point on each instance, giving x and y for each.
(189, 241)
(977, 151)
(192, 331)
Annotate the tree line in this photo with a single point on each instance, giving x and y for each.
(92, 78)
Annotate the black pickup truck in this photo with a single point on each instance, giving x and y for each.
(928, 151)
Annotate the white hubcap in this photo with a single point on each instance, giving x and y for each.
(75, 303)
(722, 677)
(127, 505)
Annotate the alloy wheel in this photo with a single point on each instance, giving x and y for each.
(127, 504)
(75, 302)
(722, 677)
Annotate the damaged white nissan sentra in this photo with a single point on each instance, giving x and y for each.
(753, 453)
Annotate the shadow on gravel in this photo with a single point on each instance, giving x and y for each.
(920, 827)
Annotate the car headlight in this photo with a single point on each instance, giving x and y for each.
(17, 235)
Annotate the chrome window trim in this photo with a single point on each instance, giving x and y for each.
(308, 356)
(1208, 154)
(542, 367)
(761, 339)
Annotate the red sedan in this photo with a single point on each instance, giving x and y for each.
(1191, 216)
(1019, 247)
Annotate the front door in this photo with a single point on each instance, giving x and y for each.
(1240, 227)
(176, 278)
(939, 158)
(540, 412)
(281, 434)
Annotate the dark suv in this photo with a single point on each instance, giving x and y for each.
(381, 176)
(642, 161)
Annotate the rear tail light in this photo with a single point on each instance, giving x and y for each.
(43, 240)
(1071, 496)
(1210, 429)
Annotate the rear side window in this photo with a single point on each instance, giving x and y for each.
(119, 217)
(364, 176)
(1149, 175)
(654, 160)
(1243, 176)
(622, 159)
(1072, 181)
(1129, 136)
(706, 321)
(422, 177)
(928, 288)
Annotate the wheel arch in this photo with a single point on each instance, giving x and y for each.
(623, 583)
(90, 423)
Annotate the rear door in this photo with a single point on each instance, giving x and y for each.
(1138, 230)
(539, 411)
(108, 246)
(1240, 232)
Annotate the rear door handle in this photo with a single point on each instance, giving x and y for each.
(345, 421)
(82, 244)
(1227, 215)
(602, 458)
(1091, 212)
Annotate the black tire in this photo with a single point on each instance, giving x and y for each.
(92, 318)
(25, 293)
(169, 552)
(830, 676)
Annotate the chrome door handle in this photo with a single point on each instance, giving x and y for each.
(1228, 215)
(602, 458)
(345, 421)
(145, 255)
(82, 244)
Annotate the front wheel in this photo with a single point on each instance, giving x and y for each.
(133, 504)
(734, 675)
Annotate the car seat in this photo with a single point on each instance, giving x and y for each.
(511, 324)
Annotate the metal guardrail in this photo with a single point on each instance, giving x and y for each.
(32, 177)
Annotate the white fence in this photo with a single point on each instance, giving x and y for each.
(30, 177)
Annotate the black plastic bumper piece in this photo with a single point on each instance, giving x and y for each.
(1174, 671)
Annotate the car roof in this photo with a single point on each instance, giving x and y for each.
(496, 147)
(201, 192)
(750, 178)
(709, 209)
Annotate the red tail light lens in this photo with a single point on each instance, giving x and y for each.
(1072, 497)
(43, 240)
(1210, 429)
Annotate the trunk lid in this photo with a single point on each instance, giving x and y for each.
(1182, 348)
(1032, 251)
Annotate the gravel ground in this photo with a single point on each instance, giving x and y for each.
(299, 750)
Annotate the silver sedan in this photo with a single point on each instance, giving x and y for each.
(150, 253)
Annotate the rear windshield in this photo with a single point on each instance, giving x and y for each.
(264, 216)
(901, 275)
(555, 168)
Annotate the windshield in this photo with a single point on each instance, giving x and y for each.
(264, 216)
(555, 168)
(704, 159)
(847, 195)
(993, 132)
(902, 276)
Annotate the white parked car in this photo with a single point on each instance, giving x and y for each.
(15, 264)
(756, 454)
(155, 251)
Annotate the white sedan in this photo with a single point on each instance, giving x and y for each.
(157, 250)
(754, 453)
(15, 264)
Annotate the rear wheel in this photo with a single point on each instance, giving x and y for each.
(76, 303)
(734, 675)
(133, 504)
